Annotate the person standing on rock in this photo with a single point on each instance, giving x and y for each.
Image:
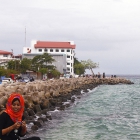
(12, 124)
(99, 75)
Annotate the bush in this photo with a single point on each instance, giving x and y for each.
(55, 73)
(7, 72)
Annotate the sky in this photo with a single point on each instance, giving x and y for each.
(105, 31)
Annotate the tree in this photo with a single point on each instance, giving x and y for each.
(78, 67)
(11, 65)
(7, 72)
(25, 65)
(2, 72)
(42, 61)
(14, 65)
(89, 64)
(55, 73)
(43, 70)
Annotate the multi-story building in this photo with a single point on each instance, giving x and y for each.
(5, 57)
(62, 52)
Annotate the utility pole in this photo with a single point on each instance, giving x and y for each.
(25, 36)
(12, 52)
(14, 58)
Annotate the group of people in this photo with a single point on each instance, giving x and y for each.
(12, 123)
(95, 75)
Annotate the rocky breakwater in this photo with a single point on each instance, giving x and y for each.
(44, 96)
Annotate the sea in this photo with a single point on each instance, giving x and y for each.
(108, 112)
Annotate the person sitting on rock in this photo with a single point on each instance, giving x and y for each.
(12, 124)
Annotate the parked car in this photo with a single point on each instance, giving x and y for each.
(76, 76)
(31, 79)
(67, 75)
(26, 79)
(7, 81)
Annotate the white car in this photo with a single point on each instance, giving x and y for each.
(26, 79)
(7, 81)
(67, 75)
(76, 76)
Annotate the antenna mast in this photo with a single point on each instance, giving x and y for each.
(25, 36)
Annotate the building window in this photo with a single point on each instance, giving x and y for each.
(71, 64)
(51, 50)
(62, 50)
(68, 63)
(57, 50)
(71, 57)
(40, 50)
(68, 50)
(45, 50)
(68, 69)
(5, 55)
(68, 56)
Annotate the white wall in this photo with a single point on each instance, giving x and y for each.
(36, 51)
(2, 56)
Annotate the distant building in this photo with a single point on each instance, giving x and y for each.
(18, 57)
(62, 52)
(5, 57)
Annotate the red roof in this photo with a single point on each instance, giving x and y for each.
(5, 52)
(49, 44)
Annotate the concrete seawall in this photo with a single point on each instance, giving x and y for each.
(44, 96)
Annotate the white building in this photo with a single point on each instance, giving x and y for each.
(5, 57)
(62, 52)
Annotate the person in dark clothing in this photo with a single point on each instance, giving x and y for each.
(12, 124)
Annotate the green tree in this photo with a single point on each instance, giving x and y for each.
(11, 65)
(42, 61)
(89, 64)
(55, 73)
(25, 65)
(43, 71)
(17, 65)
(7, 72)
(2, 72)
(78, 67)
(14, 65)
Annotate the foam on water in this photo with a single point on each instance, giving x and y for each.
(109, 112)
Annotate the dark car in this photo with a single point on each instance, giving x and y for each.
(31, 79)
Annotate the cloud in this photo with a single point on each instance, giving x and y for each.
(104, 31)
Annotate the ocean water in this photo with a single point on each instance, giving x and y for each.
(108, 112)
